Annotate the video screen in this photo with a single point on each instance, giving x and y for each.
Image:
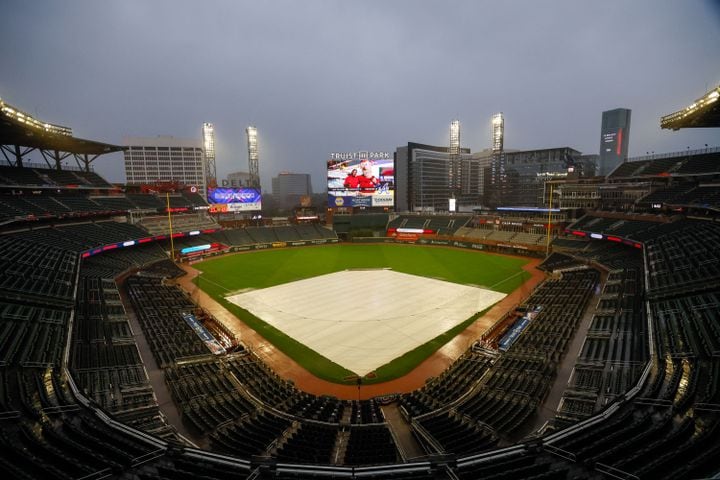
(234, 199)
(361, 183)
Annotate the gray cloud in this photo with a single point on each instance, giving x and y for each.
(322, 76)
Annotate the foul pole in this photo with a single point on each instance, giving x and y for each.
(547, 247)
(172, 243)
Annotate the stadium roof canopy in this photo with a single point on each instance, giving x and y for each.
(702, 113)
(20, 134)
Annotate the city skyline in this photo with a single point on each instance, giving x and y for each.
(318, 77)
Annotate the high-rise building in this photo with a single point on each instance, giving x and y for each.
(422, 178)
(164, 158)
(525, 174)
(253, 156)
(288, 187)
(208, 134)
(614, 139)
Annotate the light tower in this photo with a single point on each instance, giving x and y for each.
(454, 167)
(498, 124)
(208, 132)
(497, 171)
(253, 157)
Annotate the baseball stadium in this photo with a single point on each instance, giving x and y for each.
(148, 332)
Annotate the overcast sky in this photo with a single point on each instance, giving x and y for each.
(322, 76)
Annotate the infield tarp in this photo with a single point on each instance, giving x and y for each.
(363, 319)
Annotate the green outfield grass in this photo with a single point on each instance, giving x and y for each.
(267, 268)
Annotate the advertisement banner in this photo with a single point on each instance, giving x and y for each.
(349, 201)
(383, 200)
(243, 207)
(234, 199)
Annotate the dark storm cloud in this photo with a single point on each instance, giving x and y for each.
(322, 76)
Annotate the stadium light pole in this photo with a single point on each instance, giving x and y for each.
(208, 134)
(253, 156)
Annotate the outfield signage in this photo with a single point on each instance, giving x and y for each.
(234, 200)
(299, 243)
(139, 241)
(428, 241)
(601, 236)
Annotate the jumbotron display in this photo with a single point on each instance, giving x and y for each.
(357, 180)
(234, 200)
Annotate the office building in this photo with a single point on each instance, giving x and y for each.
(164, 158)
(288, 187)
(525, 174)
(424, 181)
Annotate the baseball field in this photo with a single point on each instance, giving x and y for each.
(230, 275)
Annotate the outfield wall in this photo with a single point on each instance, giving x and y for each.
(260, 246)
(491, 247)
(512, 249)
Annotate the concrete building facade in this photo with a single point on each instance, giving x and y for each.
(288, 187)
(164, 158)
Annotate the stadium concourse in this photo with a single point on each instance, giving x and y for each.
(433, 366)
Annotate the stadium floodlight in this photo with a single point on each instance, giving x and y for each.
(696, 115)
(253, 156)
(27, 119)
(498, 123)
(455, 137)
(209, 154)
(454, 166)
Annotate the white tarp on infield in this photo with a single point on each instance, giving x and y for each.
(362, 319)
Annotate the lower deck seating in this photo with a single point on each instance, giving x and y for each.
(516, 384)
(311, 443)
(614, 352)
(105, 361)
(251, 436)
(370, 445)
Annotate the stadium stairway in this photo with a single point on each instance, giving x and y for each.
(402, 432)
(548, 409)
(156, 375)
